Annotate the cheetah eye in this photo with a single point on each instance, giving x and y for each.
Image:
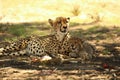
(66, 21)
(72, 45)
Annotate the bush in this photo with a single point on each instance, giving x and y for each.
(17, 30)
(76, 10)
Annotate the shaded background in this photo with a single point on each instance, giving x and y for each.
(28, 17)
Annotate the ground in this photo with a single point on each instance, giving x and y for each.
(105, 67)
(12, 69)
(21, 18)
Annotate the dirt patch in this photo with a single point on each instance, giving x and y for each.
(106, 66)
(21, 68)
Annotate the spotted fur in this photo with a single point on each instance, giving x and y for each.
(40, 45)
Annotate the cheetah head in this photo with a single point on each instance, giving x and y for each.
(75, 45)
(60, 26)
(81, 49)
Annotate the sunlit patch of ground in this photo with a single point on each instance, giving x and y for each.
(41, 10)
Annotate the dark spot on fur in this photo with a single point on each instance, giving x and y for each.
(20, 46)
(33, 52)
(37, 44)
(6, 50)
(42, 51)
(37, 51)
(34, 47)
(66, 53)
(20, 54)
(30, 44)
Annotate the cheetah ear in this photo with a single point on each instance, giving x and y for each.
(50, 22)
(68, 18)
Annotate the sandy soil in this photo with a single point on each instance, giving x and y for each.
(106, 66)
(23, 69)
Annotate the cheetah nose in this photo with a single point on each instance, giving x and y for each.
(64, 27)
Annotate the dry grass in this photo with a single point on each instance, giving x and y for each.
(41, 10)
(76, 10)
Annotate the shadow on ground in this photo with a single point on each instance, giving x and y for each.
(104, 66)
(91, 69)
(106, 39)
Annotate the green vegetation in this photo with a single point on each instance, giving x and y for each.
(93, 29)
(78, 33)
(106, 52)
(15, 31)
(73, 24)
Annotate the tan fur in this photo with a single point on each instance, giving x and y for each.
(60, 24)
